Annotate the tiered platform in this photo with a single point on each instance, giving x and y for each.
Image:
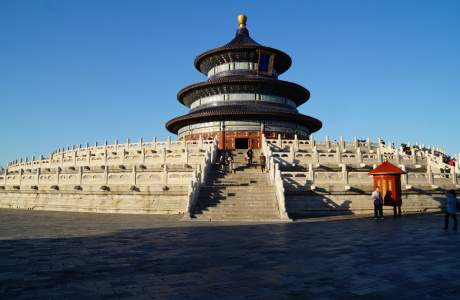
(305, 177)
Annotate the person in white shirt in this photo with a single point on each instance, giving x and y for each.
(378, 203)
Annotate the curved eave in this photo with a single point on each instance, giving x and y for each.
(386, 168)
(175, 124)
(282, 61)
(302, 94)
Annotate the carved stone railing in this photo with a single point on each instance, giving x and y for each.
(276, 179)
(199, 178)
(162, 152)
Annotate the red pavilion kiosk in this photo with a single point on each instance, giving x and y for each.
(388, 177)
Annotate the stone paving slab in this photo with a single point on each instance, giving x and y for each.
(59, 255)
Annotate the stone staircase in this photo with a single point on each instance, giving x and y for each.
(245, 194)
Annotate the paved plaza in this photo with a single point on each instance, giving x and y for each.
(57, 255)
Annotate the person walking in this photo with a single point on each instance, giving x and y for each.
(262, 162)
(378, 203)
(451, 209)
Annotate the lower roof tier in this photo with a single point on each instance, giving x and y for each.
(241, 113)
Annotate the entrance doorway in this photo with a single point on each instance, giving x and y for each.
(241, 143)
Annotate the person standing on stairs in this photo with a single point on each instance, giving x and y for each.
(230, 161)
(262, 162)
(223, 161)
(249, 156)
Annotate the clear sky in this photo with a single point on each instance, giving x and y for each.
(76, 72)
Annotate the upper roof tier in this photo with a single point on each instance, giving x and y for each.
(231, 52)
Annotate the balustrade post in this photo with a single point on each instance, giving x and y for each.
(6, 176)
(344, 174)
(315, 155)
(328, 144)
(199, 169)
(291, 155)
(312, 140)
(342, 143)
(123, 156)
(58, 174)
(404, 177)
(80, 175)
(106, 175)
(454, 175)
(21, 171)
(134, 175)
(339, 155)
(429, 171)
(186, 153)
(359, 155)
(89, 157)
(165, 175)
(311, 172)
(272, 169)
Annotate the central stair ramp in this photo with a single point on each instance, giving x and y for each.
(242, 194)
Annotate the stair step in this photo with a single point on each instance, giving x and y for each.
(236, 183)
(235, 209)
(239, 220)
(235, 212)
(241, 198)
(208, 203)
(237, 187)
(236, 217)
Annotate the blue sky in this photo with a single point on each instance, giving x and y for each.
(76, 72)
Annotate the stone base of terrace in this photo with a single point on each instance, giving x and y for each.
(324, 199)
(116, 199)
(318, 177)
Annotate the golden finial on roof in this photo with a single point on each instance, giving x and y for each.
(242, 21)
(385, 158)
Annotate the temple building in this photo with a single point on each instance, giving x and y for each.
(243, 99)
